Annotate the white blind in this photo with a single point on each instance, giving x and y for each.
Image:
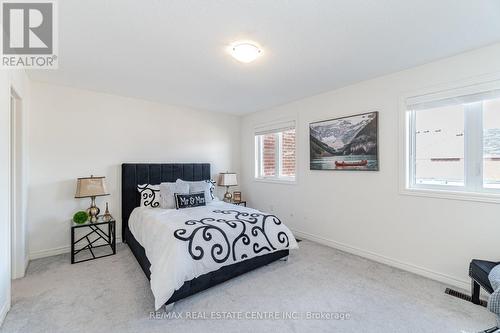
(463, 95)
(275, 127)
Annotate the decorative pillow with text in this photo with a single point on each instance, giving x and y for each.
(189, 200)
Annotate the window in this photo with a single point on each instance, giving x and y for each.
(439, 146)
(275, 152)
(453, 140)
(491, 143)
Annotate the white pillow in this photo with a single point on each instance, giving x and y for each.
(207, 186)
(150, 195)
(167, 193)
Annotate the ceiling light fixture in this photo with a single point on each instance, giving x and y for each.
(245, 52)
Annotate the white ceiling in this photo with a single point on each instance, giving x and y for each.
(173, 51)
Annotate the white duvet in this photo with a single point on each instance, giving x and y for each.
(186, 243)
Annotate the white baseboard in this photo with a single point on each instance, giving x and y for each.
(449, 280)
(4, 310)
(55, 251)
(49, 252)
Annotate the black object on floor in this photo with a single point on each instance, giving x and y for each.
(478, 272)
(463, 296)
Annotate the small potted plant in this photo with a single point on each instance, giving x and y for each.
(80, 217)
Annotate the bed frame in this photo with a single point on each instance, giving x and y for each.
(135, 174)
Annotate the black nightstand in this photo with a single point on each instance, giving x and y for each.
(98, 241)
(241, 203)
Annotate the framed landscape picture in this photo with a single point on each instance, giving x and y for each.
(347, 143)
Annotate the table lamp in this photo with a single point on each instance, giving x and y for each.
(227, 179)
(91, 187)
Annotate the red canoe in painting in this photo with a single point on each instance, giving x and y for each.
(351, 163)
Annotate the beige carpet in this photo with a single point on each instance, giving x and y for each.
(112, 295)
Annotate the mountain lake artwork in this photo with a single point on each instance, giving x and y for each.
(348, 143)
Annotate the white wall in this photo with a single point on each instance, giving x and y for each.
(17, 80)
(75, 133)
(363, 212)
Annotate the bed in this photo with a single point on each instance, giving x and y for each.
(135, 174)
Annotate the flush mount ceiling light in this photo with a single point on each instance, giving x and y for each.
(245, 51)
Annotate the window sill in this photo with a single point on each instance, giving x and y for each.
(452, 195)
(276, 181)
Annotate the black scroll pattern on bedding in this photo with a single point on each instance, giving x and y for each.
(249, 228)
(150, 195)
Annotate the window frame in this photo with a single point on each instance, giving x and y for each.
(473, 188)
(276, 128)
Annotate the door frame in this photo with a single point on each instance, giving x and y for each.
(18, 255)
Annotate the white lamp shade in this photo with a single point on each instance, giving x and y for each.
(91, 187)
(227, 179)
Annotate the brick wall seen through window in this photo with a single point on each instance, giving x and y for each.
(269, 154)
(276, 155)
(288, 154)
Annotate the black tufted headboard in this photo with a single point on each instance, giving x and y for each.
(156, 173)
